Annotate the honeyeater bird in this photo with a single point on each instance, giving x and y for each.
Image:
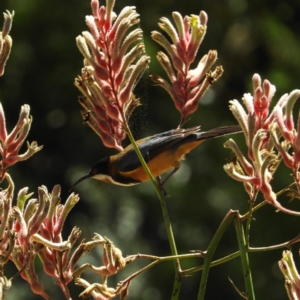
(161, 152)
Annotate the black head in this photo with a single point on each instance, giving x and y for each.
(98, 171)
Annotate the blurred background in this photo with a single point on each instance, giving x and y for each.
(251, 37)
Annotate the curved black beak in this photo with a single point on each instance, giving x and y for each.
(86, 176)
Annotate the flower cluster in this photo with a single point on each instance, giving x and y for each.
(5, 40)
(10, 144)
(113, 62)
(113, 262)
(262, 130)
(187, 86)
(34, 228)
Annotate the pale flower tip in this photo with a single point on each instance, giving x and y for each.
(209, 59)
(203, 18)
(248, 102)
(8, 18)
(56, 190)
(256, 81)
(83, 48)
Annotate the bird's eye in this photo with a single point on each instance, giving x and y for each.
(94, 171)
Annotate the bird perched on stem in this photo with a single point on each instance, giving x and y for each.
(162, 152)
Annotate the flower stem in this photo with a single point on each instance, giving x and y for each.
(163, 204)
(244, 257)
(211, 250)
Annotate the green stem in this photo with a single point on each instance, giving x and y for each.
(248, 224)
(211, 250)
(244, 257)
(157, 260)
(287, 244)
(189, 272)
(168, 225)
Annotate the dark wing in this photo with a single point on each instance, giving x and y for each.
(152, 146)
(220, 131)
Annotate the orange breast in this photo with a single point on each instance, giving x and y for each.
(163, 162)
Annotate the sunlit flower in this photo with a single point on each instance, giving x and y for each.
(261, 129)
(10, 144)
(186, 86)
(114, 60)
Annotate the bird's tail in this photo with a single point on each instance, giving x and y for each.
(204, 135)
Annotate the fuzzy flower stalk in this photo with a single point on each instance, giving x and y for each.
(5, 40)
(262, 131)
(186, 86)
(114, 60)
(11, 143)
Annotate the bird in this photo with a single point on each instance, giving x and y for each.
(162, 152)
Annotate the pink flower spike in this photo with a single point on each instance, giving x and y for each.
(95, 7)
(198, 32)
(3, 132)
